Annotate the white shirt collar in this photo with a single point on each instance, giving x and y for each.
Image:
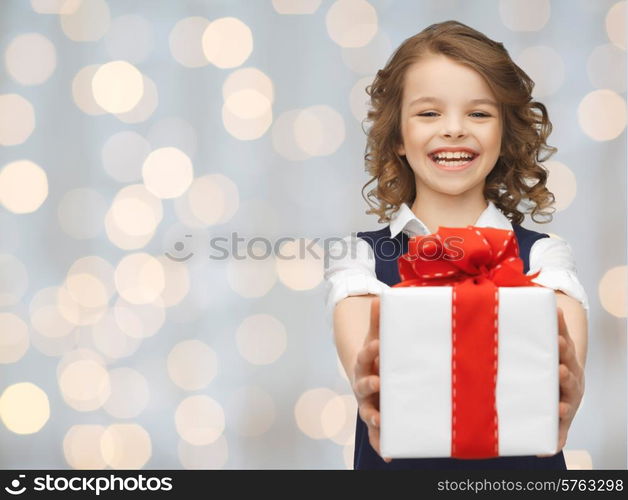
(405, 220)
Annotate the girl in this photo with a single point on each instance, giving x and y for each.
(455, 140)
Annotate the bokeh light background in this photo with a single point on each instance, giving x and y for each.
(129, 129)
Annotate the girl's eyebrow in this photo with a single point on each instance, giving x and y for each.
(490, 102)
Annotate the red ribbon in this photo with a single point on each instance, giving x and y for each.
(475, 261)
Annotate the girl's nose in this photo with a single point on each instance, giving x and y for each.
(453, 128)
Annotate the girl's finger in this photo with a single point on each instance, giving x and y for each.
(367, 386)
(369, 414)
(366, 356)
(568, 386)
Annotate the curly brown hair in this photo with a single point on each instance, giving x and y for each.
(517, 177)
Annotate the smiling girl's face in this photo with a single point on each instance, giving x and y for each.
(448, 110)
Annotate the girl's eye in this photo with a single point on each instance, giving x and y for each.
(477, 114)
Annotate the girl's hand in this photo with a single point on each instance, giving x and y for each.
(571, 381)
(366, 379)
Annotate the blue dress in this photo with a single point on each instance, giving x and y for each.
(386, 251)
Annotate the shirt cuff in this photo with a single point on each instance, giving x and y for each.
(350, 283)
(565, 281)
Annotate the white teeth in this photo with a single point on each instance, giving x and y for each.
(455, 155)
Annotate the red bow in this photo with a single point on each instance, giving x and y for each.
(475, 261)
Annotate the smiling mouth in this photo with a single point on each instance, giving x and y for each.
(454, 163)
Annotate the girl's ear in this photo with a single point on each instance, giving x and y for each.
(401, 150)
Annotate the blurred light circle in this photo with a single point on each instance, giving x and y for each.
(98, 267)
(134, 216)
(88, 23)
(369, 58)
(82, 91)
(247, 104)
(251, 277)
(45, 315)
(30, 58)
(117, 86)
(227, 42)
(14, 338)
(87, 290)
(126, 446)
(185, 42)
(79, 354)
(561, 182)
(199, 420)
(173, 131)
(359, 100)
(338, 419)
(578, 459)
(248, 79)
(351, 23)
(524, 15)
(606, 67)
(145, 107)
(319, 130)
(284, 137)
(130, 37)
(308, 411)
(13, 280)
(123, 155)
(122, 239)
(213, 199)
(23, 186)
(139, 321)
(76, 313)
(53, 346)
(167, 172)
(602, 115)
(250, 411)
(130, 230)
(17, 119)
(296, 267)
(291, 7)
(85, 385)
(109, 338)
(545, 66)
(616, 24)
(192, 364)
(247, 129)
(129, 393)
(24, 408)
(612, 291)
(177, 281)
(139, 278)
(55, 6)
(261, 339)
(81, 447)
(81, 213)
(209, 456)
(248, 95)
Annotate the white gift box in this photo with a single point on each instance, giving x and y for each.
(415, 371)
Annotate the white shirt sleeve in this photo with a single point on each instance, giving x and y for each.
(554, 258)
(349, 270)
